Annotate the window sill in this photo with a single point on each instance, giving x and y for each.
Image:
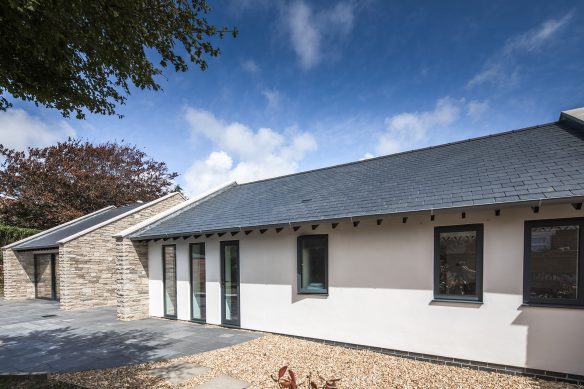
(323, 293)
(539, 305)
(439, 301)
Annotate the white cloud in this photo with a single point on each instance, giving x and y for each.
(250, 66)
(500, 69)
(409, 130)
(19, 130)
(475, 109)
(272, 96)
(310, 31)
(534, 39)
(241, 153)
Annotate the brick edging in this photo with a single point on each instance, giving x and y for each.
(465, 363)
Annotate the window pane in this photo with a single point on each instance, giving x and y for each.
(458, 260)
(554, 262)
(170, 280)
(313, 262)
(198, 281)
(231, 281)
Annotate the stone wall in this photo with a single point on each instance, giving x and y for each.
(44, 274)
(88, 265)
(18, 275)
(132, 279)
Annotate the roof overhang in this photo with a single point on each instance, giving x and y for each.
(355, 218)
(39, 250)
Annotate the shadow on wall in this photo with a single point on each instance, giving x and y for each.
(554, 338)
(67, 350)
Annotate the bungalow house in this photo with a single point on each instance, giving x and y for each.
(75, 262)
(468, 252)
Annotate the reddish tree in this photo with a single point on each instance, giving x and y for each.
(49, 186)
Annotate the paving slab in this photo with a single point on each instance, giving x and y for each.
(223, 382)
(180, 372)
(90, 339)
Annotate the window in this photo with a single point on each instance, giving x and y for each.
(230, 286)
(553, 272)
(198, 290)
(169, 280)
(313, 264)
(458, 263)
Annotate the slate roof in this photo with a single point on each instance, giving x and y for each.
(540, 162)
(50, 239)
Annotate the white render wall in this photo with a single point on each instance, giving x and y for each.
(381, 290)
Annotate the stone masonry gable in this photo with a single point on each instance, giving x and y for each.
(88, 264)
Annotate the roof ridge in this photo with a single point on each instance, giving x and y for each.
(404, 152)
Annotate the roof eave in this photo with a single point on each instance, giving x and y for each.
(357, 217)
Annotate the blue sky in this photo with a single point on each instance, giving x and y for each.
(312, 84)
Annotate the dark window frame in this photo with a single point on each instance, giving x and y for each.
(300, 290)
(527, 300)
(479, 229)
(203, 319)
(164, 281)
(224, 322)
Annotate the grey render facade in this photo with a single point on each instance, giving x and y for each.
(469, 251)
(75, 262)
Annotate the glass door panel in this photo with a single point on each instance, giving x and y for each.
(230, 283)
(169, 279)
(198, 290)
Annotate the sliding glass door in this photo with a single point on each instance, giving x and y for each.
(230, 283)
(169, 280)
(198, 291)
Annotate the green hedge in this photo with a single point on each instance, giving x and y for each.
(10, 234)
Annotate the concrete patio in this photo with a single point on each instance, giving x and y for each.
(37, 337)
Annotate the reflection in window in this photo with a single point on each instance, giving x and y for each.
(198, 297)
(554, 262)
(459, 262)
(169, 267)
(312, 263)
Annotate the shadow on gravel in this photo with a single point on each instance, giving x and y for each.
(68, 350)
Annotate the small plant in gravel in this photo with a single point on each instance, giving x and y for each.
(286, 379)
